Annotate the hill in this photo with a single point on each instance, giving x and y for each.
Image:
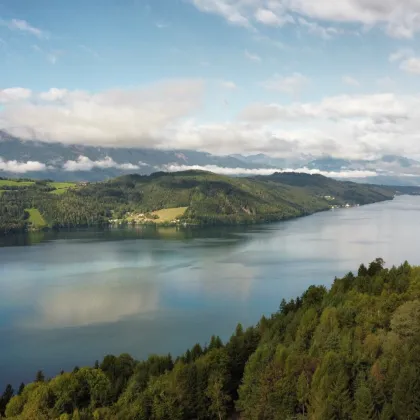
(206, 198)
(351, 352)
(342, 191)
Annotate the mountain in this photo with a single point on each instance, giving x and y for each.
(387, 170)
(329, 164)
(204, 197)
(40, 160)
(90, 163)
(263, 160)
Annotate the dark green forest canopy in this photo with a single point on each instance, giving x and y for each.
(209, 198)
(351, 352)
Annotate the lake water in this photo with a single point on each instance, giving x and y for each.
(68, 299)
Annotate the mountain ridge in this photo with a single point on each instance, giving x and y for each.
(77, 162)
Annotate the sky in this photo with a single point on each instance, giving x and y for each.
(281, 77)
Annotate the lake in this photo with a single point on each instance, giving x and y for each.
(70, 298)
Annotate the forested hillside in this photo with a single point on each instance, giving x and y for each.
(206, 198)
(351, 352)
(343, 191)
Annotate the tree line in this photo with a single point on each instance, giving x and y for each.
(210, 199)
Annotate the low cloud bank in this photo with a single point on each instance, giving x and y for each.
(83, 163)
(266, 171)
(164, 116)
(21, 167)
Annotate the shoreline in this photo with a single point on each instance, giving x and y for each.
(186, 224)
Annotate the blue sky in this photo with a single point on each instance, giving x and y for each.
(224, 76)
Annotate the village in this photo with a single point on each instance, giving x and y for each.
(165, 216)
(338, 206)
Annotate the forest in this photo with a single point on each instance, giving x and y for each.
(350, 352)
(209, 199)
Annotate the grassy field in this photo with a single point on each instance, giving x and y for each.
(12, 183)
(61, 187)
(35, 217)
(167, 215)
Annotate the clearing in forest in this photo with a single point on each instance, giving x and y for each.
(35, 218)
(61, 187)
(168, 215)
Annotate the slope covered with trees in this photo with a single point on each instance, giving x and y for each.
(351, 352)
(209, 198)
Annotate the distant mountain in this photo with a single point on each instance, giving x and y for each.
(99, 163)
(329, 164)
(274, 162)
(399, 160)
(35, 159)
(384, 164)
(387, 170)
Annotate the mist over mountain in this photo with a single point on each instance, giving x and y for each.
(77, 162)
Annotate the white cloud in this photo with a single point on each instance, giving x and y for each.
(411, 65)
(229, 10)
(314, 28)
(162, 25)
(346, 125)
(252, 57)
(383, 105)
(132, 117)
(265, 171)
(287, 84)
(162, 117)
(228, 84)
(54, 94)
(83, 163)
(14, 94)
(351, 81)
(408, 61)
(270, 42)
(398, 18)
(21, 167)
(268, 17)
(174, 167)
(24, 26)
(401, 54)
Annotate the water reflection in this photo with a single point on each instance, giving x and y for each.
(100, 299)
(73, 296)
(219, 280)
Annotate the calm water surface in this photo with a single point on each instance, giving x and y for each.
(70, 298)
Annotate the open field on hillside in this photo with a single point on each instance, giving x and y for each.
(12, 183)
(167, 215)
(60, 187)
(36, 219)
